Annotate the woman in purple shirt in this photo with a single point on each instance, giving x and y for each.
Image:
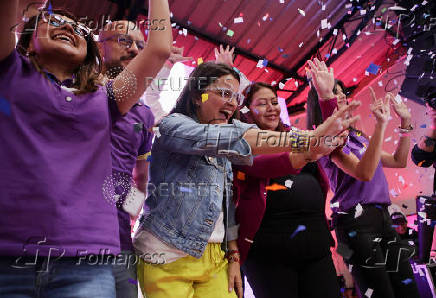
(56, 229)
(366, 238)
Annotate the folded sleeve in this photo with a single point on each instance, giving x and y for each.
(328, 107)
(182, 134)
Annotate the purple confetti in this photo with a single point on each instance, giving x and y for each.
(300, 228)
(373, 68)
(407, 281)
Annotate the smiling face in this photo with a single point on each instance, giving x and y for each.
(50, 42)
(213, 108)
(265, 109)
(116, 54)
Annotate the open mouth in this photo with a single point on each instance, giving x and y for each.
(226, 114)
(65, 38)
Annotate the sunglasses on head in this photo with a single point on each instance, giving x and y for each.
(56, 20)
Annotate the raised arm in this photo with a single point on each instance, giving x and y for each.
(133, 81)
(423, 153)
(399, 158)
(364, 169)
(7, 21)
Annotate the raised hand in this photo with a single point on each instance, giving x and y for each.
(176, 55)
(331, 134)
(401, 109)
(379, 108)
(322, 77)
(224, 56)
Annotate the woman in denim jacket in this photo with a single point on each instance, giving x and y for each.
(189, 213)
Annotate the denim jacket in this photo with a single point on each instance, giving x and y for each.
(190, 175)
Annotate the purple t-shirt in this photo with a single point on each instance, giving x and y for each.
(348, 191)
(55, 156)
(131, 138)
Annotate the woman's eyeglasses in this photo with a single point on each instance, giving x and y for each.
(126, 41)
(58, 21)
(228, 94)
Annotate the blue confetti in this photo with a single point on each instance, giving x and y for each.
(300, 228)
(265, 63)
(281, 50)
(132, 281)
(423, 126)
(352, 234)
(327, 56)
(407, 281)
(286, 56)
(5, 106)
(148, 158)
(248, 40)
(50, 8)
(373, 68)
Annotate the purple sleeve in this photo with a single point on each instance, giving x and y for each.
(327, 107)
(148, 121)
(269, 166)
(112, 103)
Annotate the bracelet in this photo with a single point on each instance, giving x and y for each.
(407, 129)
(233, 256)
(299, 141)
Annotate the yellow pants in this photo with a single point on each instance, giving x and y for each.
(187, 277)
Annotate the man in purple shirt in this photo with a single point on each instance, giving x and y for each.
(131, 145)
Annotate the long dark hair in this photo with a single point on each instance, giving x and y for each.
(248, 97)
(87, 76)
(314, 116)
(203, 76)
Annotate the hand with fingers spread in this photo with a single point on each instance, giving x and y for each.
(401, 109)
(176, 55)
(381, 108)
(224, 56)
(332, 129)
(322, 78)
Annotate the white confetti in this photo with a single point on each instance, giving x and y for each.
(395, 41)
(369, 292)
(281, 85)
(334, 51)
(238, 20)
(323, 7)
(362, 12)
(156, 131)
(282, 1)
(324, 23)
(334, 205)
(377, 240)
(411, 242)
(380, 83)
(422, 214)
(335, 32)
(185, 32)
(302, 12)
(388, 139)
(359, 211)
(245, 110)
(300, 45)
(259, 64)
(401, 180)
(288, 183)
(398, 99)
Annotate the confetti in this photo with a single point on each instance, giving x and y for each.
(334, 205)
(334, 51)
(199, 61)
(300, 45)
(156, 131)
(288, 183)
(377, 240)
(240, 175)
(302, 12)
(204, 97)
(423, 126)
(324, 24)
(5, 106)
(352, 233)
(369, 292)
(245, 110)
(238, 20)
(388, 139)
(275, 187)
(230, 33)
(373, 68)
(300, 228)
(185, 32)
(281, 85)
(359, 211)
(133, 281)
(380, 83)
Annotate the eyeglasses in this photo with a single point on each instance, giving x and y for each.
(228, 94)
(58, 21)
(126, 41)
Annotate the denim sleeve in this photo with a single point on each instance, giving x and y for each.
(423, 158)
(182, 134)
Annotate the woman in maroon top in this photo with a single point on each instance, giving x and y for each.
(284, 239)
